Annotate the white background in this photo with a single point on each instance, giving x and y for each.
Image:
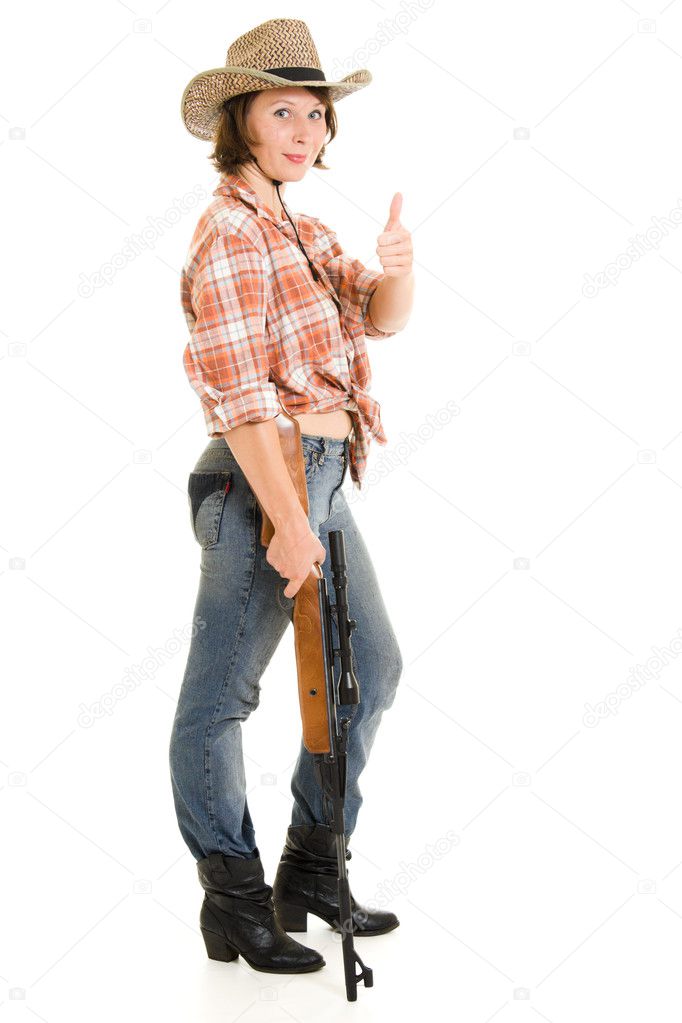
(527, 543)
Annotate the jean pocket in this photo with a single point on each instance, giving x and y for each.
(206, 492)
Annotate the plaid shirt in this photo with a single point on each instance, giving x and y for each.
(263, 331)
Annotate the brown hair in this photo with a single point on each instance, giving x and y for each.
(232, 140)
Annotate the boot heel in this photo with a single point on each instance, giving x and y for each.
(218, 948)
(292, 918)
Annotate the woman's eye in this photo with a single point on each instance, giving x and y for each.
(283, 110)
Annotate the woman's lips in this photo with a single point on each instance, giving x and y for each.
(294, 159)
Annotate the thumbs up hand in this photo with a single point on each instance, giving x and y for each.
(394, 244)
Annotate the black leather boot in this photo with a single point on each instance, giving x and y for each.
(238, 918)
(307, 882)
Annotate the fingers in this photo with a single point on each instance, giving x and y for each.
(293, 587)
(389, 238)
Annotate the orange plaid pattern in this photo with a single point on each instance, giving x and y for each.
(263, 331)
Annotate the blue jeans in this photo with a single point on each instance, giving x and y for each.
(242, 615)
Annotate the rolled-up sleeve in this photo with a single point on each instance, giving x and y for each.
(226, 358)
(353, 282)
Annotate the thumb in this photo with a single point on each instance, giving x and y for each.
(394, 213)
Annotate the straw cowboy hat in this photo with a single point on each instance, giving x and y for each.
(278, 53)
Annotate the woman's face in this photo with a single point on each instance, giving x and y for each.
(286, 121)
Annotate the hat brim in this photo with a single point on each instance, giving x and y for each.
(206, 92)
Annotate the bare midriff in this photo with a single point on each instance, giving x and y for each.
(337, 424)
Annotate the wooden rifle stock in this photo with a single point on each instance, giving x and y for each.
(307, 626)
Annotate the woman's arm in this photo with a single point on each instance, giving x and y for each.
(257, 449)
(226, 361)
(294, 547)
(381, 299)
(391, 304)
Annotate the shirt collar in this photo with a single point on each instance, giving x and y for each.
(238, 187)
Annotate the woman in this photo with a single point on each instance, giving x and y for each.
(277, 316)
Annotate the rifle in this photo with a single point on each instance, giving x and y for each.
(318, 691)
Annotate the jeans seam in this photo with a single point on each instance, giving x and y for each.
(237, 640)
